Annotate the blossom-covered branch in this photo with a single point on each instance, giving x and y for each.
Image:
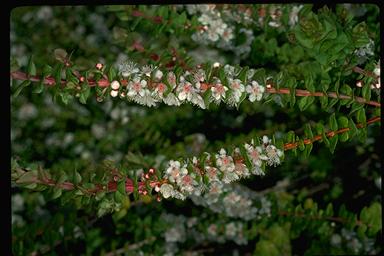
(147, 85)
(193, 176)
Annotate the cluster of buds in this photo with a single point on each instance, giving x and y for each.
(150, 179)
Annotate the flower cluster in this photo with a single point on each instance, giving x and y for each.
(213, 26)
(235, 201)
(350, 239)
(182, 228)
(218, 27)
(149, 85)
(194, 177)
(365, 52)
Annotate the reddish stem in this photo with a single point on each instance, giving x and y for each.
(330, 134)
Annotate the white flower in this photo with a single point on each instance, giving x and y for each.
(158, 74)
(237, 88)
(187, 183)
(175, 172)
(127, 68)
(218, 91)
(146, 99)
(136, 87)
(198, 100)
(230, 230)
(274, 154)
(230, 177)
(376, 71)
(229, 70)
(185, 91)
(255, 154)
(115, 85)
(159, 90)
(274, 24)
(167, 190)
(216, 187)
(199, 76)
(293, 15)
(227, 34)
(266, 140)
(241, 169)
(224, 162)
(171, 100)
(212, 230)
(255, 91)
(211, 173)
(147, 70)
(204, 19)
(171, 78)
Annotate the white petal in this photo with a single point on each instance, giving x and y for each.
(131, 93)
(182, 95)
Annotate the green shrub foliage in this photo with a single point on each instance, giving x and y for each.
(195, 129)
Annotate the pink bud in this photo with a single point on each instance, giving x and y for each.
(146, 176)
(151, 171)
(99, 66)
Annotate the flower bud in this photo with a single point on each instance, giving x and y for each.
(115, 85)
(99, 66)
(114, 93)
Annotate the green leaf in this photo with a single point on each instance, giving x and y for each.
(31, 67)
(60, 54)
(301, 145)
(56, 192)
(308, 131)
(333, 123)
(121, 186)
(243, 74)
(366, 92)
(266, 248)
(303, 103)
(307, 150)
(27, 177)
(333, 142)
(84, 94)
(343, 123)
(324, 102)
(77, 177)
(309, 83)
(302, 38)
(329, 210)
(57, 73)
(119, 197)
(352, 128)
(111, 73)
(360, 116)
(46, 72)
(21, 87)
